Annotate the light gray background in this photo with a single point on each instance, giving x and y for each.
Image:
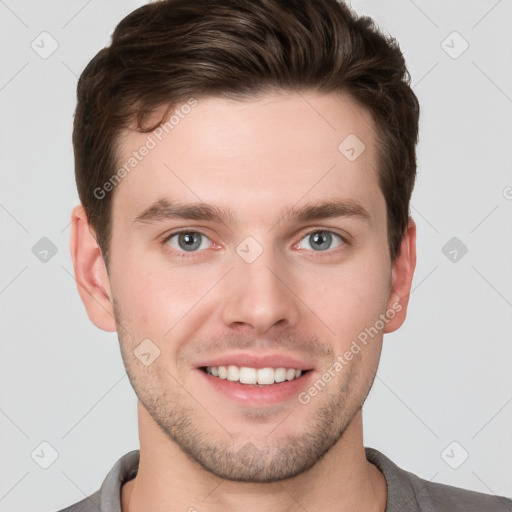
(444, 376)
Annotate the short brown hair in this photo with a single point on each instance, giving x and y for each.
(168, 51)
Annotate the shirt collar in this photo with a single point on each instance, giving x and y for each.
(404, 488)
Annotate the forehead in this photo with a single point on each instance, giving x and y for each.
(254, 156)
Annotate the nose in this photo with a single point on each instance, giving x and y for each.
(260, 295)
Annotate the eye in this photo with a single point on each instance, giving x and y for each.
(321, 240)
(194, 241)
(188, 241)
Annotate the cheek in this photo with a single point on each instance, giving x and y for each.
(139, 292)
(153, 298)
(349, 298)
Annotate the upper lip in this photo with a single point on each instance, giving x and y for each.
(267, 360)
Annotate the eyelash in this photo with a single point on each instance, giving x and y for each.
(193, 254)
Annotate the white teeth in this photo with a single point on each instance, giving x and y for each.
(247, 375)
(233, 373)
(290, 374)
(266, 376)
(280, 374)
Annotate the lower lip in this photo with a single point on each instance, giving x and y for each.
(259, 395)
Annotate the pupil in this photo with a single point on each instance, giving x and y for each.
(189, 241)
(322, 240)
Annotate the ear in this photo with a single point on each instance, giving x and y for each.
(90, 272)
(401, 279)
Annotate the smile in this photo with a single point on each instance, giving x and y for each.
(255, 376)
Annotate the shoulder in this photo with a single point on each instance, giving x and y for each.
(455, 499)
(108, 497)
(408, 492)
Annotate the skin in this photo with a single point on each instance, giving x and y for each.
(198, 447)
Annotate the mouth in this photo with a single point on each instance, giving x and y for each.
(258, 377)
(257, 380)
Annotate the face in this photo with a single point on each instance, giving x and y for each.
(271, 281)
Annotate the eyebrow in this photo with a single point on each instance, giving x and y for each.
(163, 210)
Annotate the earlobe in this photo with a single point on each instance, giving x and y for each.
(401, 279)
(91, 274)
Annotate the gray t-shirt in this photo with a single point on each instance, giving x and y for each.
(406, 491)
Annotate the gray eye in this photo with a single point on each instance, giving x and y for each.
(189, 241)
(321, 240)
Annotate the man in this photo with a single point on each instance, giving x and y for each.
(245, 171)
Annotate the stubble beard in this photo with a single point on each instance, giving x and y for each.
(270, 459)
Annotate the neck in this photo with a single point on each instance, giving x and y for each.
(167, 479)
